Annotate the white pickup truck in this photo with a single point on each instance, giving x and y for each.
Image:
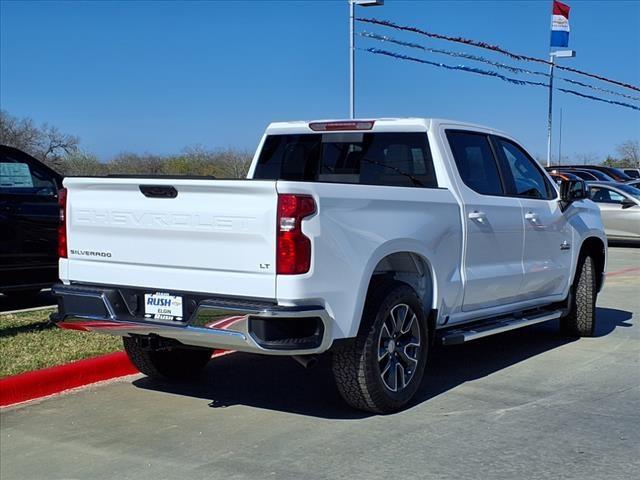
(371, 239)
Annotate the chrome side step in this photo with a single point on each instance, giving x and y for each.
(463, 335)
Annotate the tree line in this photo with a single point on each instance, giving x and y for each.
(62, 152)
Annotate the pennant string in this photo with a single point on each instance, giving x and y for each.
(384, 38)
(584, 95)
(464, 68)
(490, 73)
(477, 58)
(488, 46)
(600, 89)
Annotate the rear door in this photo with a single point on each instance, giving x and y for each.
(547, 234)
(211, 236)
(494, 224)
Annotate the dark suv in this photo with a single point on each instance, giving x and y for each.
(29, 218)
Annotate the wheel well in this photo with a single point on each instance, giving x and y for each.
(411, 269)
(595, 248)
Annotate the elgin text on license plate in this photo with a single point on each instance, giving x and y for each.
(162, 306)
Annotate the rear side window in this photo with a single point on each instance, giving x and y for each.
(475, 161)
(393, 159)
(524, 177)
(21, 178)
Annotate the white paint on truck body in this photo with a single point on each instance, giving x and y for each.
(219, 237)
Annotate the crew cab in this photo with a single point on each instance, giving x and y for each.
(368, 239)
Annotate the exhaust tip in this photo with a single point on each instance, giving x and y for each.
(307, 361)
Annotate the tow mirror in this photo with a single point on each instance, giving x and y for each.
(572, 190)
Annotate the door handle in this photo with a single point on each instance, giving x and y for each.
(476, 215)
(532, 217)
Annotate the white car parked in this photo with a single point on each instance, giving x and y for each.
(369, 238)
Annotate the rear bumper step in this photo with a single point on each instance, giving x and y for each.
(250, 326)
(474, 332)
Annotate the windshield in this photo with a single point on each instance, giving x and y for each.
(393, 159)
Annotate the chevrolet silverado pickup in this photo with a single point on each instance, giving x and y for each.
(368, 239)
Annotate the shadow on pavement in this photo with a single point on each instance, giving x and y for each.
(279, 383)
(10, 302)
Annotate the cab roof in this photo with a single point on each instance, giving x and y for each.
(409, 124)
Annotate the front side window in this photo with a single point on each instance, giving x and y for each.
(393, 159)
(527, 178)
(475, 161)
(604, 195)
(601, 194)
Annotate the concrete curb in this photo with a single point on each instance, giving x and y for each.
(48, 381)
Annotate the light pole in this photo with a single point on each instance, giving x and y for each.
(352, 49)
(552, 64)
(560, 141)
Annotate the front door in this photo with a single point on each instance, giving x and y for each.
(546, 257)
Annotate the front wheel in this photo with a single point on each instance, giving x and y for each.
(581, 319)
(382, 368)
(172, 363)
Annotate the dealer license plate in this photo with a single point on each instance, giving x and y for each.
(162, 306)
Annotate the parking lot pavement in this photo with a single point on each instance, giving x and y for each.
(525, 404)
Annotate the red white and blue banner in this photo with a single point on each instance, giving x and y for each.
(560, 24)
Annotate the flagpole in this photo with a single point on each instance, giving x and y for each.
(550, 116)
(352, 49)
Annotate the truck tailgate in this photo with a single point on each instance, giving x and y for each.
(214, 236)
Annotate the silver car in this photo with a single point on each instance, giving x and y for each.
(620, 209)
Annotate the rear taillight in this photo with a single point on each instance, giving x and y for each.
(293, 254)
(62, 227)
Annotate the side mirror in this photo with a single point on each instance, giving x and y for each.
(628, 203)
(572, 190)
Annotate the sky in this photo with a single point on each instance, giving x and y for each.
(160, 76)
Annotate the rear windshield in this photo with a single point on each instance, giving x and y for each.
(394, 159)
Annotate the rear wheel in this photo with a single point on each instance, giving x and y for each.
(381, 370)
(169, 363)
(581, 319)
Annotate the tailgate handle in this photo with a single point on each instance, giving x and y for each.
(159, 191)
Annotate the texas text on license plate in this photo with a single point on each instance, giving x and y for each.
(162, 306)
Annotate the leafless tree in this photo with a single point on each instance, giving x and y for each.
(47, 143)
(586, 158)
(132, 163)
(629, 152)
(233, 163)
(82, 163)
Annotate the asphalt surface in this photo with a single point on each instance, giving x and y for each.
(525, 404)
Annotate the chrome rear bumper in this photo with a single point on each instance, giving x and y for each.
(216, 323)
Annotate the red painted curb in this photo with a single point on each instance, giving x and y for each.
(623, 271)
(40, 383)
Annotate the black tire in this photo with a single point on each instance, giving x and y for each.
(170, 364)
(581, 320)
(358, 367)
